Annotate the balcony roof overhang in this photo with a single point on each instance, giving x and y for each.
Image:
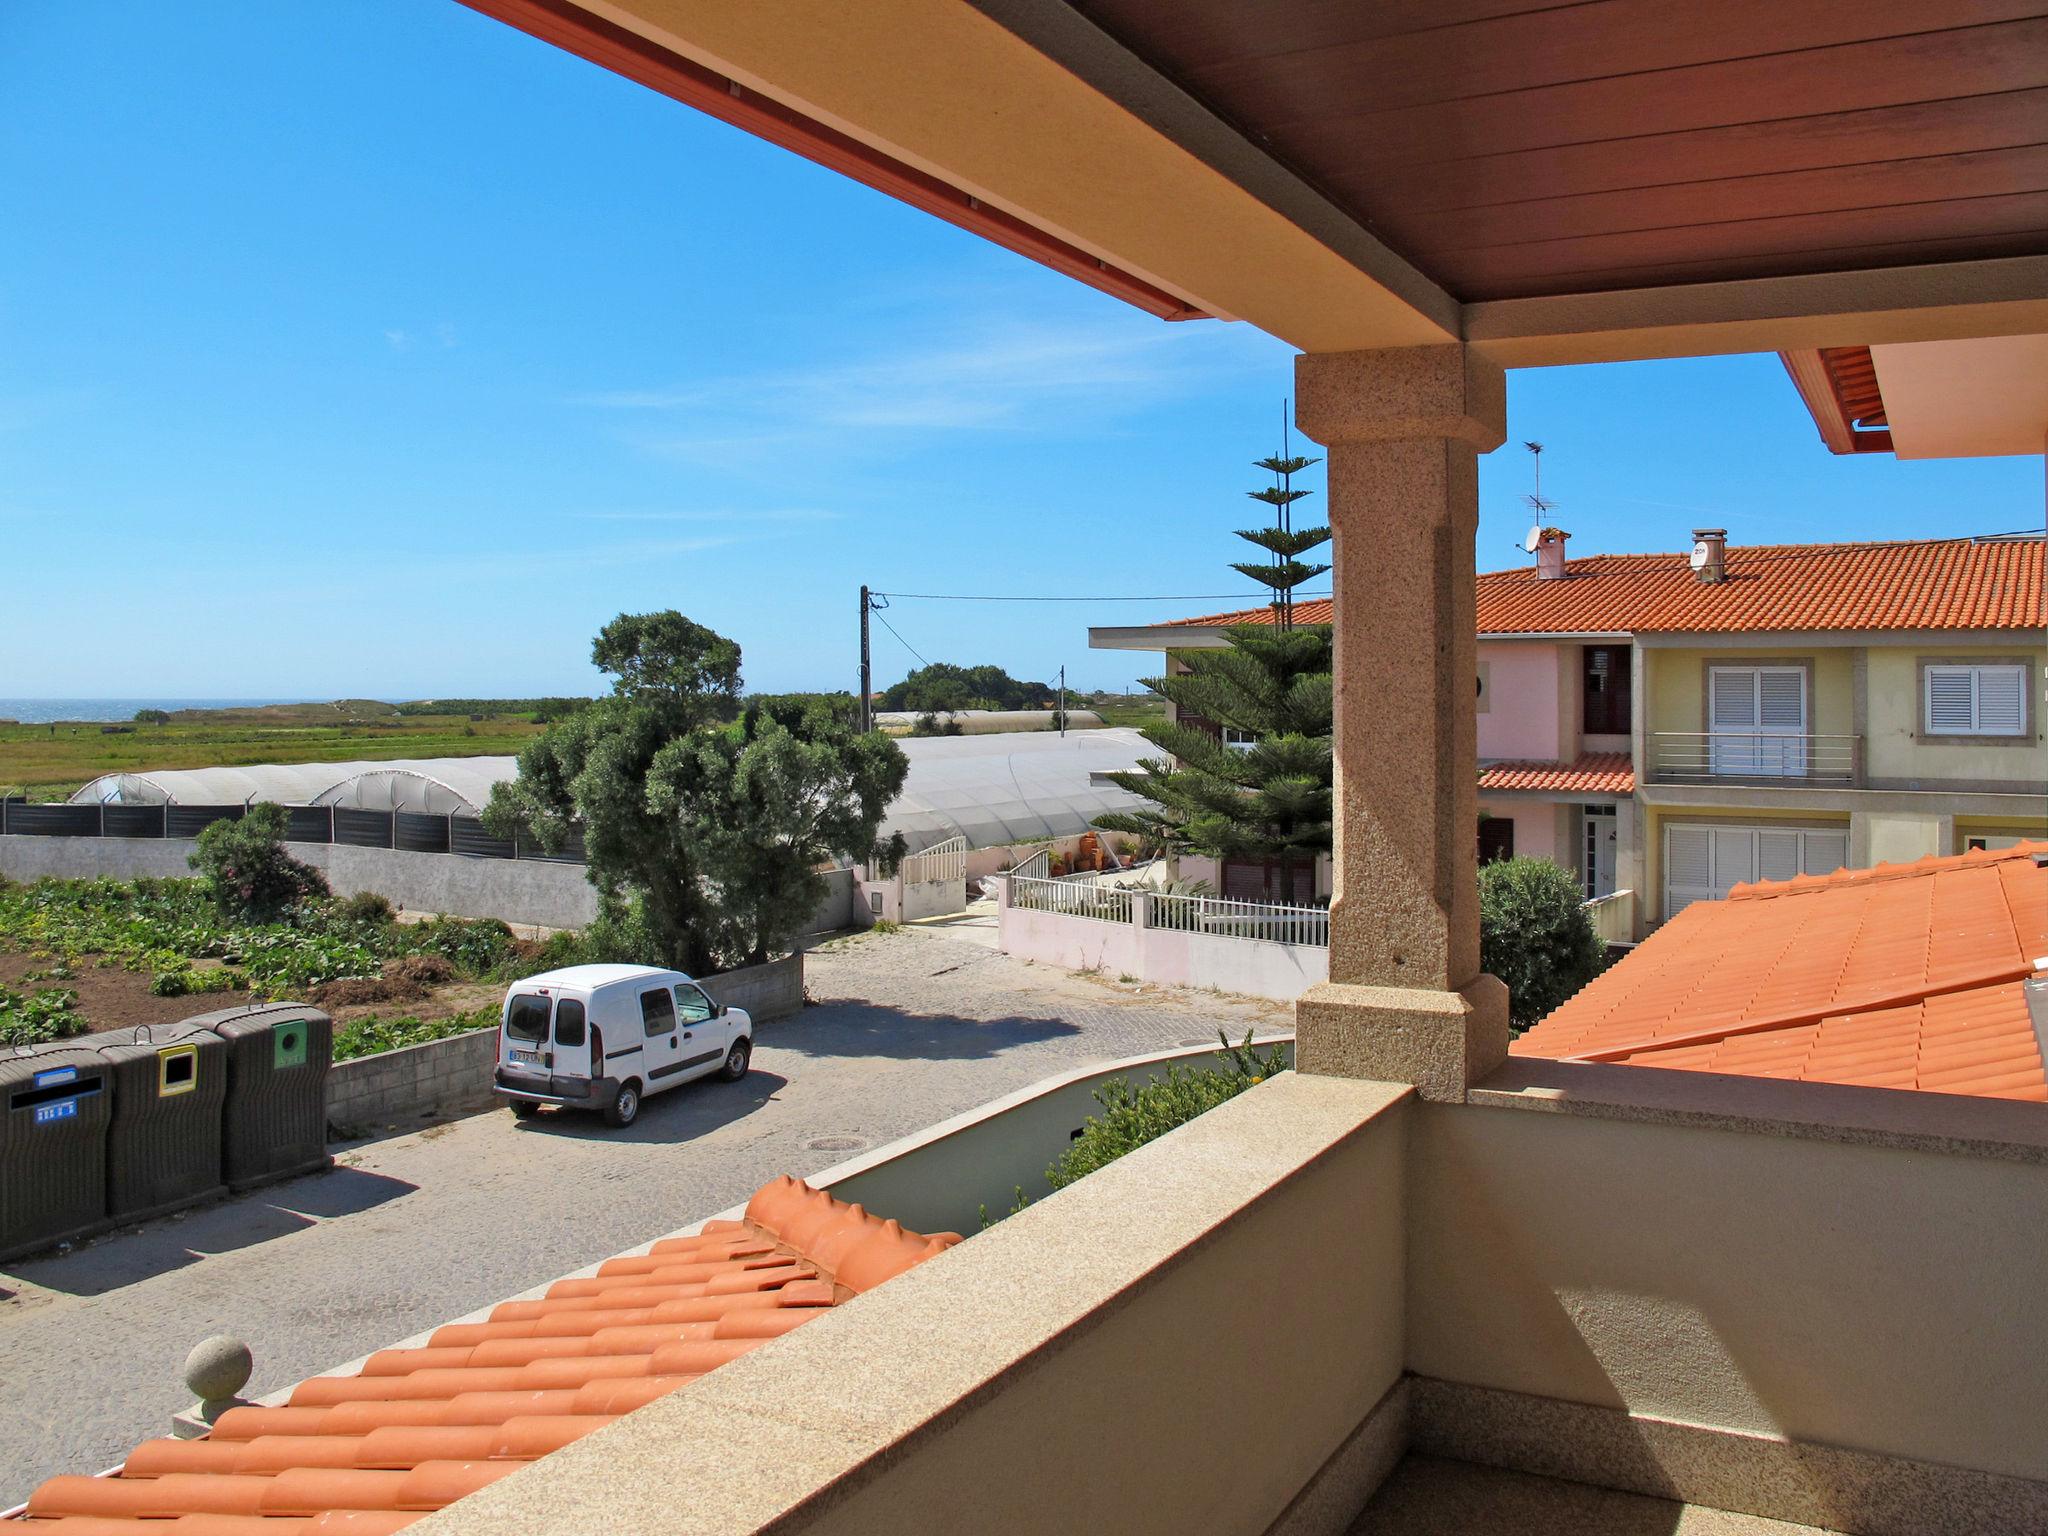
(1548, 190)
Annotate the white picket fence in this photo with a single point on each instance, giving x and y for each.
(941, 861)
(1073, 898)
(1228, 919)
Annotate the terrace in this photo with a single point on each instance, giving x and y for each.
(1795, 1301)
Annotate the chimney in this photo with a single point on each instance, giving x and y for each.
(1710, 554)
(1550, 554)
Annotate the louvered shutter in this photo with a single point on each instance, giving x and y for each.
(1950, 701)
(1688, 867)
(1777, 855)
(1823, 853)
(2001, 700)
(1731, 702)
(1781, 698)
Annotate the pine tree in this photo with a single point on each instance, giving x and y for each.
(1268, 802)
(1283, 541)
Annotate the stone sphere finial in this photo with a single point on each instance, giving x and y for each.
(218, 1368)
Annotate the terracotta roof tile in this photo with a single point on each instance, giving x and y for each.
(1902, 976)
(416, 1429)
(1593, 773)
(1960, 584)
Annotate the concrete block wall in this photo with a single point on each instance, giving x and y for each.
(515, 890)
(767, 992)
(443, 1077)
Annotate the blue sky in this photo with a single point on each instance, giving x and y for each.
(377, 349)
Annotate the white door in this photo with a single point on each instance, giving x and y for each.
(1756, 721)
(705, 1030)
(664, 1042)
(1602, 837)
(1705, 863)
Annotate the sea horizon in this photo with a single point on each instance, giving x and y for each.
(117, 711)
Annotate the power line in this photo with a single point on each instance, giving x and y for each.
(1184, 597)
(899, 639)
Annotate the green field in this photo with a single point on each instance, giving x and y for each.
(1132, 709)
(47, 762)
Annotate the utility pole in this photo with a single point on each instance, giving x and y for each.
(1062, 717)
(867, 716)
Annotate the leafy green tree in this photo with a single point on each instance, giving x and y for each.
(943, 686)
(1535, 936)
(249, 875)
(704, 817)
(1268, 799)
(1284, 542)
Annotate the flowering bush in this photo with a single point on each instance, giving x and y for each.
(252, 878)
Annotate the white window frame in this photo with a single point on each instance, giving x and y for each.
(1237, 740)
(1755, 750)
(1717, 887)
(1975, 671)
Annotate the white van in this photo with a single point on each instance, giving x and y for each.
(603, 1037)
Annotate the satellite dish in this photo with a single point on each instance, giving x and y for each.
(1535, 537)
(1700, 555)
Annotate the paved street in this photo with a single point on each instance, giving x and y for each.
(419, 1228)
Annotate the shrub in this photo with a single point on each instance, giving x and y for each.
(32, 1018)
(185, 981)
(372, 1036)
(475, 946)
(1535, 936)
(364, 907)
(1133, 1116)
(250, 876)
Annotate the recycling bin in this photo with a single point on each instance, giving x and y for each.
(274, 1123)
(164, 1136)
(55, 1101)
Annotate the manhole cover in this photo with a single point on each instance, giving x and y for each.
(836, 1143)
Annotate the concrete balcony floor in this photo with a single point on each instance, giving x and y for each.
(1429, 1496)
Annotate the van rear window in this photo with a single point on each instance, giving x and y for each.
(568, 1022)
(526, 1018)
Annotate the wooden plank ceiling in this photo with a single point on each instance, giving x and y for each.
(1511, 148)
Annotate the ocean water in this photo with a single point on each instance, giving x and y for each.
(38, 711)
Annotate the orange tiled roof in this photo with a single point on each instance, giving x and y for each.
(1959, 584)
(1594, 773)
(1902, 976)
(417, 1429)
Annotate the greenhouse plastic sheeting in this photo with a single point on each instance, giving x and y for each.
(1012, 787)
(437, 786)
(1021, 787)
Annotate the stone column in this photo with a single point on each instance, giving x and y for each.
(1406, 1001)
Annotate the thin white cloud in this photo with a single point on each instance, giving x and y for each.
(995, 378)
(400, 341)
(731, 515)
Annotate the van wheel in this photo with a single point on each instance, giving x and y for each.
(524, 1109)
(736, 1060)
(625, 1109)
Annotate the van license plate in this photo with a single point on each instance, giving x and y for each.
(526, 1058)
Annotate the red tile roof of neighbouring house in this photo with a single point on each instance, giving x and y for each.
(1593, 773)
(1902, 976)
(416, 1429)
(1941, 584)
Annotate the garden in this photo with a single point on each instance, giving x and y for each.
(84, 955)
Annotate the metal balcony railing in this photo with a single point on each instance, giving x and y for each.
(1752, 757)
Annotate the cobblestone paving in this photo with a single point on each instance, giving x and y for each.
(417, 1228)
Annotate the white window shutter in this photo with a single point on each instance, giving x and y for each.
(1781, 693)
(1777, 855)
(1824, 852)
(1688, 868)
(1734, 859)
(1731, 703)
(2001, 700)
(1949, 701)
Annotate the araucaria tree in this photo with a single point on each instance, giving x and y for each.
(1284, 542)
(1260, 787)
(704, 815)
